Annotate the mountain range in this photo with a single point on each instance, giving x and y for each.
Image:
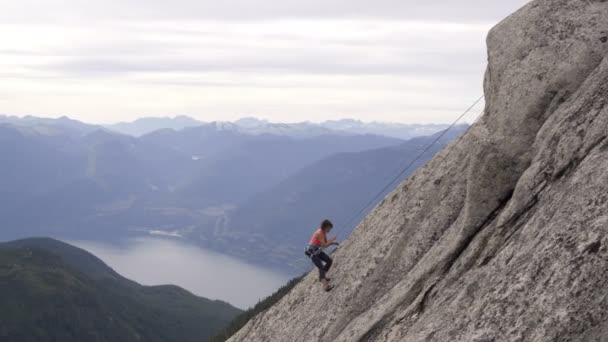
(147, 125)
(213, 184)
(107, 181)
(251, 125)
(49, 126)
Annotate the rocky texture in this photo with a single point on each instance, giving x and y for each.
(502, 236)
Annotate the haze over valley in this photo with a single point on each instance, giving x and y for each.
(242, 189)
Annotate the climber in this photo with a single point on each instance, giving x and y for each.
(314, 251)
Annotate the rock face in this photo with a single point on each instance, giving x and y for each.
(504, 235)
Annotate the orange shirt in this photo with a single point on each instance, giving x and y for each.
(316, 241)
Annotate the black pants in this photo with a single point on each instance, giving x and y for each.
(318, 260)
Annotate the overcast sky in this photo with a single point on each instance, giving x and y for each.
(289, 60)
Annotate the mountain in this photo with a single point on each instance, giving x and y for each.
(389, 129)
(233, 165)
(147, 125)
(300, 130)
(33, 163)
(337, 187)
(51, 291)
(246, 125)
(500, 237)
(48, 126)
(252, 125)
(53, 184)
(251, 122)
(255, 126)
(106, 185)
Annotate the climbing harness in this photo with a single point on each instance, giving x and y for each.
(311, 250)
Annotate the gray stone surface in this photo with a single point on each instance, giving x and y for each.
(504, 235)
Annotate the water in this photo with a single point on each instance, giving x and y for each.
(202, 272)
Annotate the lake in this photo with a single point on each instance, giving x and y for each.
(205, 273)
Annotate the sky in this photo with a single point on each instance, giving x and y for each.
(106, 61)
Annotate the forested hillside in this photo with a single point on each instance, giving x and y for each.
(51, 291)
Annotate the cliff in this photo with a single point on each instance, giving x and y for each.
(503, 235)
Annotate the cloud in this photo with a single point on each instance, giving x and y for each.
(444, 10)
(287, 61)
(366, 47)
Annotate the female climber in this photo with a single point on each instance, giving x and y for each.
(314, 250)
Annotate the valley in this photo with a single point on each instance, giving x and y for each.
(233, 188)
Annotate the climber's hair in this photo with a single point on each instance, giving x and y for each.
(326, 224)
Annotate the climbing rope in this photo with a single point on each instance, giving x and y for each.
(450, 149)
(412, 163)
